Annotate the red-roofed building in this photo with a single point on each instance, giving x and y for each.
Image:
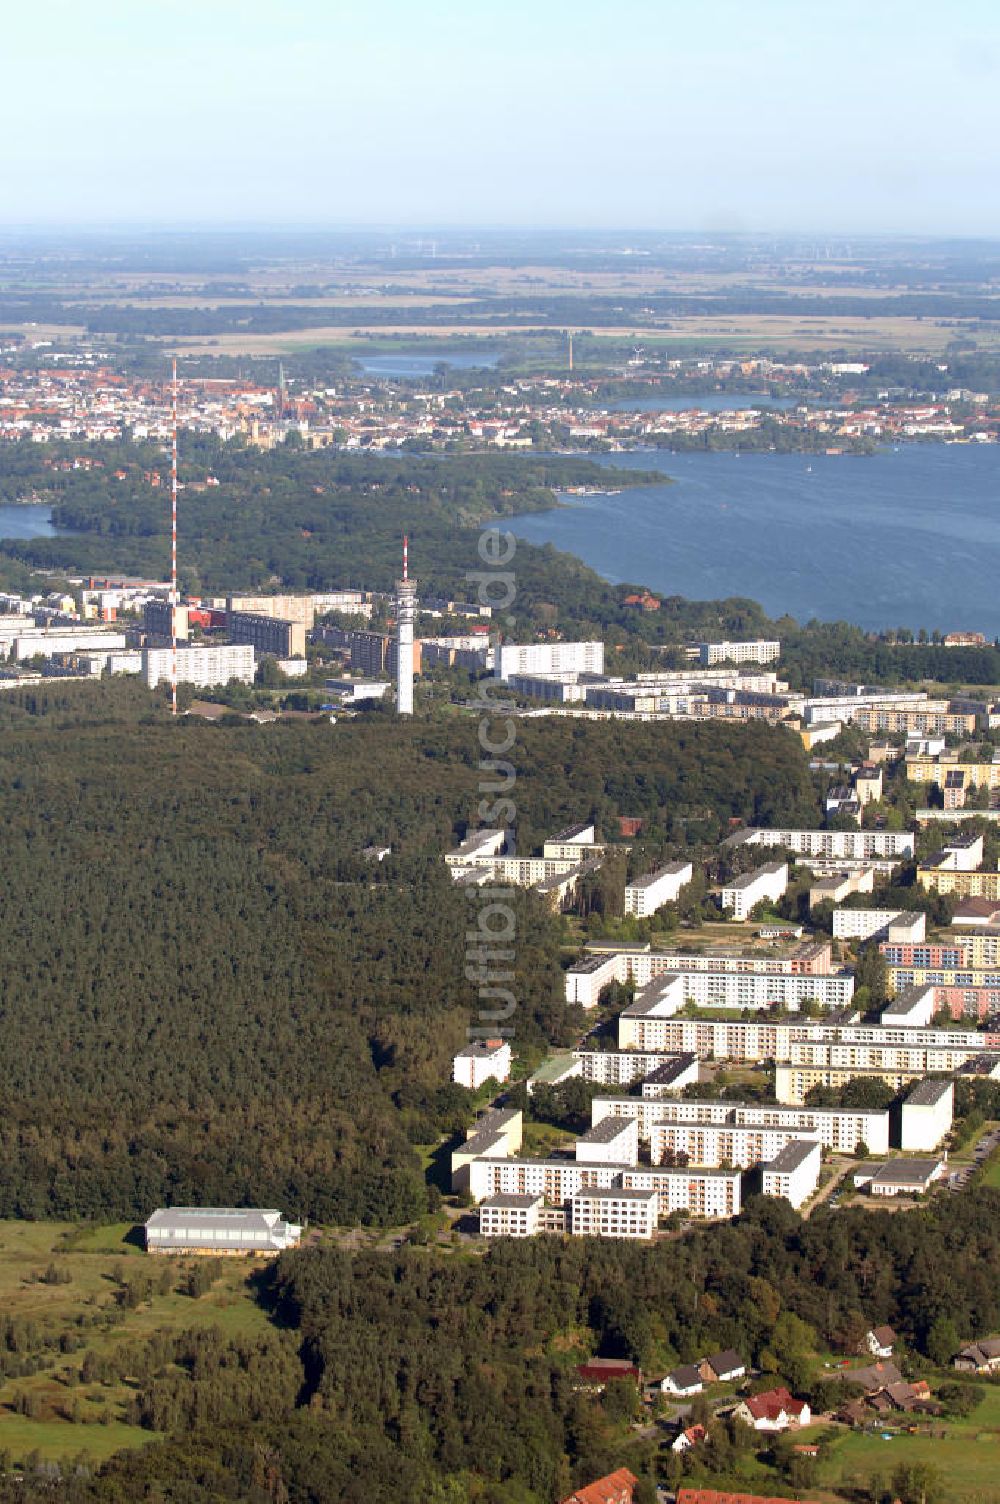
(616, 1488)
(601, 1371)
(774, 1410)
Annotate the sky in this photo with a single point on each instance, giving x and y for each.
(864, 116)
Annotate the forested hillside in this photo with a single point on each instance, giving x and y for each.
(449, 1377)
(209, 995)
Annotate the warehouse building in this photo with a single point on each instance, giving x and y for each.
(219, 1230)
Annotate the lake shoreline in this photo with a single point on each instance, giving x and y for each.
(910, 539)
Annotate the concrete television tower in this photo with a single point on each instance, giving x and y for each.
(406, 592)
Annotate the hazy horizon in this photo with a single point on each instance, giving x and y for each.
(773, 119)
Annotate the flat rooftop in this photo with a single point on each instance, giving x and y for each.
(554, 1067)
(479, 840)
(670, 869)
(582, 833)
(670, 1069)
(769, 869)
(607, 1130)
(590, 964)
(791, 1155)
(613, 1193)
(906, 1171)
(928, 1093)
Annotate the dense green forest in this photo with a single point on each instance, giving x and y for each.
(450, 1377)
(209, 995)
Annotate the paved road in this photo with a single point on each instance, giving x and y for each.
(826, 1191)
(985, 1146)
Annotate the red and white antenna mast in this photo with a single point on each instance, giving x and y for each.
(173, 551)
(406, 591)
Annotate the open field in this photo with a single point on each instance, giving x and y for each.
(240, 300)
(749, 332)
(434, 279)
(967, 1455)
(85, 1306)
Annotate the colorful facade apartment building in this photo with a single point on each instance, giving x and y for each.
(961, 884)
(961, 994)
(935, 769)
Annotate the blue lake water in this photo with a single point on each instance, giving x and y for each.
(26, 522)
(905, 537)
(707, 402)
(395, 366)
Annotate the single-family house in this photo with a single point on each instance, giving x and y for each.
(614, 1488)
(979, 1357)
(880, 1341)
(774, 1410)
(685, 1440)
(683, 1381)
(873, 1377)
(597, 1372)
(722, 1368)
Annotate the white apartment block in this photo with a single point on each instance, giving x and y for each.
(700, 1192)
(479, 846)
(927, 1116)
(850, 707)
(671, 1072)
(587, 978)
(807, 958)
(839, 1129)
(646, 894)
(643, 1024)
(833, 845)
(917, 1059)
(900, 926)
(743, 894)
(614, 1212)
(481, 1061)
(550, 658)
(557, 1180)
(571, 844)
(509, 1216)
(613, 1141)
(793, 1172)
(203, 666)
(564, 689)
(792, 1083)
(716, 1144)
(565, 858)
(760, 651)
(45, 643)
(914, 1008)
